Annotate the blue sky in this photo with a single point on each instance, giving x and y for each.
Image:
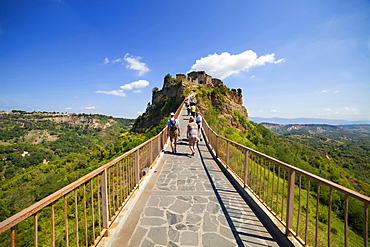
(291, 58)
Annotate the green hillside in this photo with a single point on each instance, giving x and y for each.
(42, 152)
(347, 146)
(324, 156)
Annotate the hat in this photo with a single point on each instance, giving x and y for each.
(172, 114)
(191, 119)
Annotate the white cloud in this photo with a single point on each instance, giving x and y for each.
(117, 60)
(327, 109)
(135, 64)
(89, 108)
(225, 64)
(114, 92)
(329, 90)
(106, 60)
(129, 86)
(68, 108)
(274, 111)
(135, 84)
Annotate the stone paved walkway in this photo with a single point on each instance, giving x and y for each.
(189, 202)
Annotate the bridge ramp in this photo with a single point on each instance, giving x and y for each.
(189, 202)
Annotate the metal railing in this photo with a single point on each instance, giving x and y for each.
(81, 213)
(313, 210)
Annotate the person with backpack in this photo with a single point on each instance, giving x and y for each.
(173, 130)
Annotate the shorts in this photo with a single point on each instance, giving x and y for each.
(192, 140)
(173, 136)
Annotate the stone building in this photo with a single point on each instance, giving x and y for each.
(200, 77)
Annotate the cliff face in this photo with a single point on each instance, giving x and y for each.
(176, 89)
(164, 102)
(226, 102)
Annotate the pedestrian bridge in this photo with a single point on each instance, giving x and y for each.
(225, 195)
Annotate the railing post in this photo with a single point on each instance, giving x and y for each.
(137, 172)
(52, 225)
(13, 233)
(366, 224)
(104, 195)
(290, 202)
(35, 230)
(227, 154)
(216, 146)
(246, 166)
(66, 220)
(151, 152)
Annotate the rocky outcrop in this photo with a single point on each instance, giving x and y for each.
(164, 102)
(172, 94)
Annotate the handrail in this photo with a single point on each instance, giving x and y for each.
(275, 185)
(105, 192)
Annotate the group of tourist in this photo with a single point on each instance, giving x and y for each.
(193, 128)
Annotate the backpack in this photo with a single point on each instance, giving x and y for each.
(173, 126)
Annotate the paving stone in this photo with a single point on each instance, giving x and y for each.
(200, 187)
(173, 234)
(193, 228)
(185, 198)
(180, 227)
(198, 208)
(214, 220)
(172, 175)
(173, 218)
(152, 211)
(158, 235)
(189, 238)
(153, 201)
(200, 199)
(208, 225)
(222, 220)
(136, 238)
(147, 243)
(226, 232)
(164, 188)
(186, 188)
(180, 206)
(215, 240)
(153, 221)
(172, 244)
(213, 208)
(208, 186)
(193, 219)
(180, 182)
(166, 201)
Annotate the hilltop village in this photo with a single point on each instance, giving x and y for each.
(175, 89)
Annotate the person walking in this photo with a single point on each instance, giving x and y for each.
(173, 131)
(187, 106)
(198, 120)
(192, 134)
(193, 109)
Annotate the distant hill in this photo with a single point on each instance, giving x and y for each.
(277, 120)
(351, 131)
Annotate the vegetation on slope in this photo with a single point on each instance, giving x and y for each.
(41, 153)
(307, 157)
